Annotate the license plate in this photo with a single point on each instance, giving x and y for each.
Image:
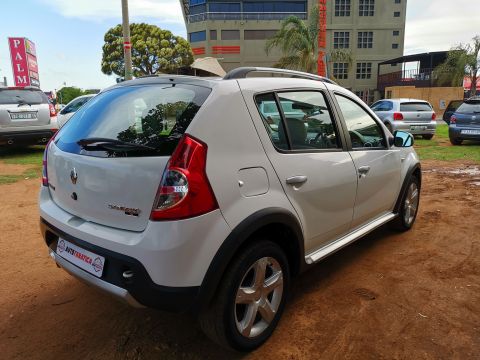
(82, 258)
(418, 127)
(23, 116)
(470, 132)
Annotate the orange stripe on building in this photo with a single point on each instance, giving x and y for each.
(198, 51)
(226, 49)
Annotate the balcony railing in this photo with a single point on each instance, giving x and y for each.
(244, 16)
(415, 77)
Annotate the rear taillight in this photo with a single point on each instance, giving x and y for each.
(53, 112)
(397, 116)
(434, 116)
(453, 119)
(184, 190)
(44, 163)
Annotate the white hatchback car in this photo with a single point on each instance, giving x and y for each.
(71, 108)
(216, 213)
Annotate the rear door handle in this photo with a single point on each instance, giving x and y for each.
(299, 179)
(363, 170)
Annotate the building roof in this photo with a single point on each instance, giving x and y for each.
(415, 57)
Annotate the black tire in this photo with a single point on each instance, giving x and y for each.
(400, 223)
(218, 321)
(456, 141)
(427, 137)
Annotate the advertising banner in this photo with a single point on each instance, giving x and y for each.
(24, 62)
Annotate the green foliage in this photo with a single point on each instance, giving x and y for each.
(298, 42)
(153, 51)
(340, 56)
(462, 61)
(440, 149)
(22, 155)
(67, 94)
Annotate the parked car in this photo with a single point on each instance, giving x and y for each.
(26, 116)
(218, 215)
(415, 116)
(465, 122)
(451, 108)
(72, 107)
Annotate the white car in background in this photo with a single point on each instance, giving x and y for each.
(71, 108)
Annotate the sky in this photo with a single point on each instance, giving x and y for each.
(69, 34)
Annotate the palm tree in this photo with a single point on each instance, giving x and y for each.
(299, 43)
(463, 61)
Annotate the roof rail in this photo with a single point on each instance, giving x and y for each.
(242, 72)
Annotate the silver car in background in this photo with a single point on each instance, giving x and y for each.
(412, 115)
(26, 116)
(71, 108)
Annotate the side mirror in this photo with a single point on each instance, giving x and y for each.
(402, 139)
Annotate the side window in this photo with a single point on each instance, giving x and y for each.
(378, 106)
(309, 121)
(270, 114)
(388, 106)
(363, 129)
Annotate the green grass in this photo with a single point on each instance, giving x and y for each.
(23, 156)
(439, 148)
(28, 156)
(30, 173)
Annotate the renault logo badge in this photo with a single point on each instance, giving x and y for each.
(73, 176)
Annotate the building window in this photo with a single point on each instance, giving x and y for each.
(340, 70)
(342, 7)
(398, 1)
(341, 40)
(366, 95)
(197, 36)
(396, 33)
(364, 70)
(230, 34)
(223, 7)
(213, 34)
(365, 39)
(258, 34)
(278, 6)
(389, 94)
(366, 8)
(396, 14)
(394, 46)
(197, 2)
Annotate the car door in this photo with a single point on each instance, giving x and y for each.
(378, 166)
(308, 154)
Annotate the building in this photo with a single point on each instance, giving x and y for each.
(235, 32)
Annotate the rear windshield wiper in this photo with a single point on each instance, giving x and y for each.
(112, 143)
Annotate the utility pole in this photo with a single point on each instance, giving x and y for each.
(127, 46)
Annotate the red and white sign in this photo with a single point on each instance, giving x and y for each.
(24, 62)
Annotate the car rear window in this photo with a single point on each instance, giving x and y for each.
(17, 96)
(415, 106)
(469, 108)
(153, 117)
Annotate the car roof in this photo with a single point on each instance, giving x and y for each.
(408, 100)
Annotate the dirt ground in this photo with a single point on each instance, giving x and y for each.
(405, 296)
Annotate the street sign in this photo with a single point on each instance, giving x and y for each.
(24, 62)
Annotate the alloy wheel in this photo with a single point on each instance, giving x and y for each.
(411, 204)
(258, 297)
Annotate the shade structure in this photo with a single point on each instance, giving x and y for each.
(209, 64)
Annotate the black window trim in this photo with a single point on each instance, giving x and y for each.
(344, 125)
(339, 126)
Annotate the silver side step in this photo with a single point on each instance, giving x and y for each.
(323, 252)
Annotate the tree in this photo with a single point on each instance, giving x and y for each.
(67, 94)
(298, 41)
(154, 51)
(463, 61)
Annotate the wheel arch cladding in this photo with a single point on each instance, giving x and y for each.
(274, 224)
(415, 170)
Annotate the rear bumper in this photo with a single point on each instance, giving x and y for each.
(138, 290)
(420, 128)
(31, 137)
(455, 133)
